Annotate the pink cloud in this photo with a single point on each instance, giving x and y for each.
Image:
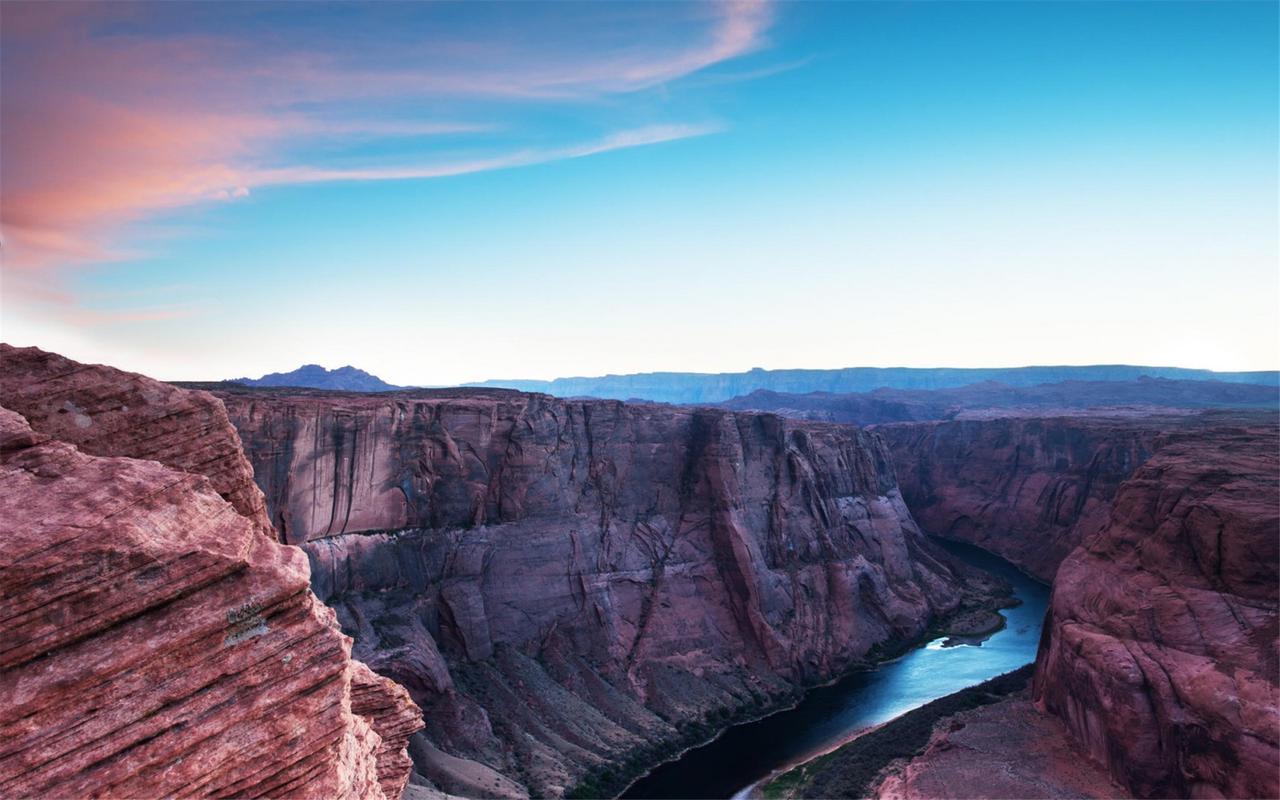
(107, 122)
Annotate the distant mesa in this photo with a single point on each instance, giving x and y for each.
(1145, 395)
(891, 389)
(314, 376)
(694, 387)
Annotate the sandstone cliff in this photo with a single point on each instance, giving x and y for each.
(572, 589)
(157, 643)
(108, 412)
(1160, 650)
(1027, 489)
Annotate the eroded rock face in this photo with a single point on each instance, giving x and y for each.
(157, 639)
(1027, 489)
(156, 644)
(107, 412)
(571, 588)
(1160, 650)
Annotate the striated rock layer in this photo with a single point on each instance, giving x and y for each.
(156, 642)
(107, 412)
(572, 589)
(1160, 650)
(1028, 489)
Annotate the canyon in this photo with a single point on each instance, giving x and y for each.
(490, 593)
(1159, 661)
(1027, 489)
(573, 590)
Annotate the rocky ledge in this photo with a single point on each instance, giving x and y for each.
(157, 643)
(108, 412)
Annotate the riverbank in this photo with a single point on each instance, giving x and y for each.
(974, 616)
(852, 770)
(890, 679)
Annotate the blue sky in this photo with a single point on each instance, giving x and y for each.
(443, 193)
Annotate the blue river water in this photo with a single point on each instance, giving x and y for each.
(831, 715)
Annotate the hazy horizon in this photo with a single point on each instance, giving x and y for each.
(522, 379)
(451, 193)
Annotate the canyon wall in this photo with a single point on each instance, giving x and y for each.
(572, 589)
(1027, 489)
(1160, 650)
(1160, 659)
(158, 641)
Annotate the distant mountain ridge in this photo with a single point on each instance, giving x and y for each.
(314, 376)
(694, 387)
(912, 405)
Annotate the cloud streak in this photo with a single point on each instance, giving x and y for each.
(113, 114)
(639, 137)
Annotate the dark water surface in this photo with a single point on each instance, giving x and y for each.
(830, 715)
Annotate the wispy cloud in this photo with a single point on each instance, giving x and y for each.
(622, 140)
(113, 113)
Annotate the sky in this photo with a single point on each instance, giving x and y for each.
(441, 193)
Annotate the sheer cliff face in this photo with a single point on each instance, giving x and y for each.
(156, 641)
(1029, 490)
(566, 585)
(1161, 649)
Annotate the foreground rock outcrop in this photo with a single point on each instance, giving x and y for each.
(573, 589)
(108, 412)
(157, 643)
(1161, 649)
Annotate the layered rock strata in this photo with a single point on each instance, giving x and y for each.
(1028, 489)
(158, 642)
(571, 589)
(107, 412)
(1160, 648)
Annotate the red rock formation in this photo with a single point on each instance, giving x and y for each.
(156, 641)
(1007, 749)
(1160, 650)
(1029, 490)
(107, 412)
(565, 585)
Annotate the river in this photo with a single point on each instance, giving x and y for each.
(831, 715)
